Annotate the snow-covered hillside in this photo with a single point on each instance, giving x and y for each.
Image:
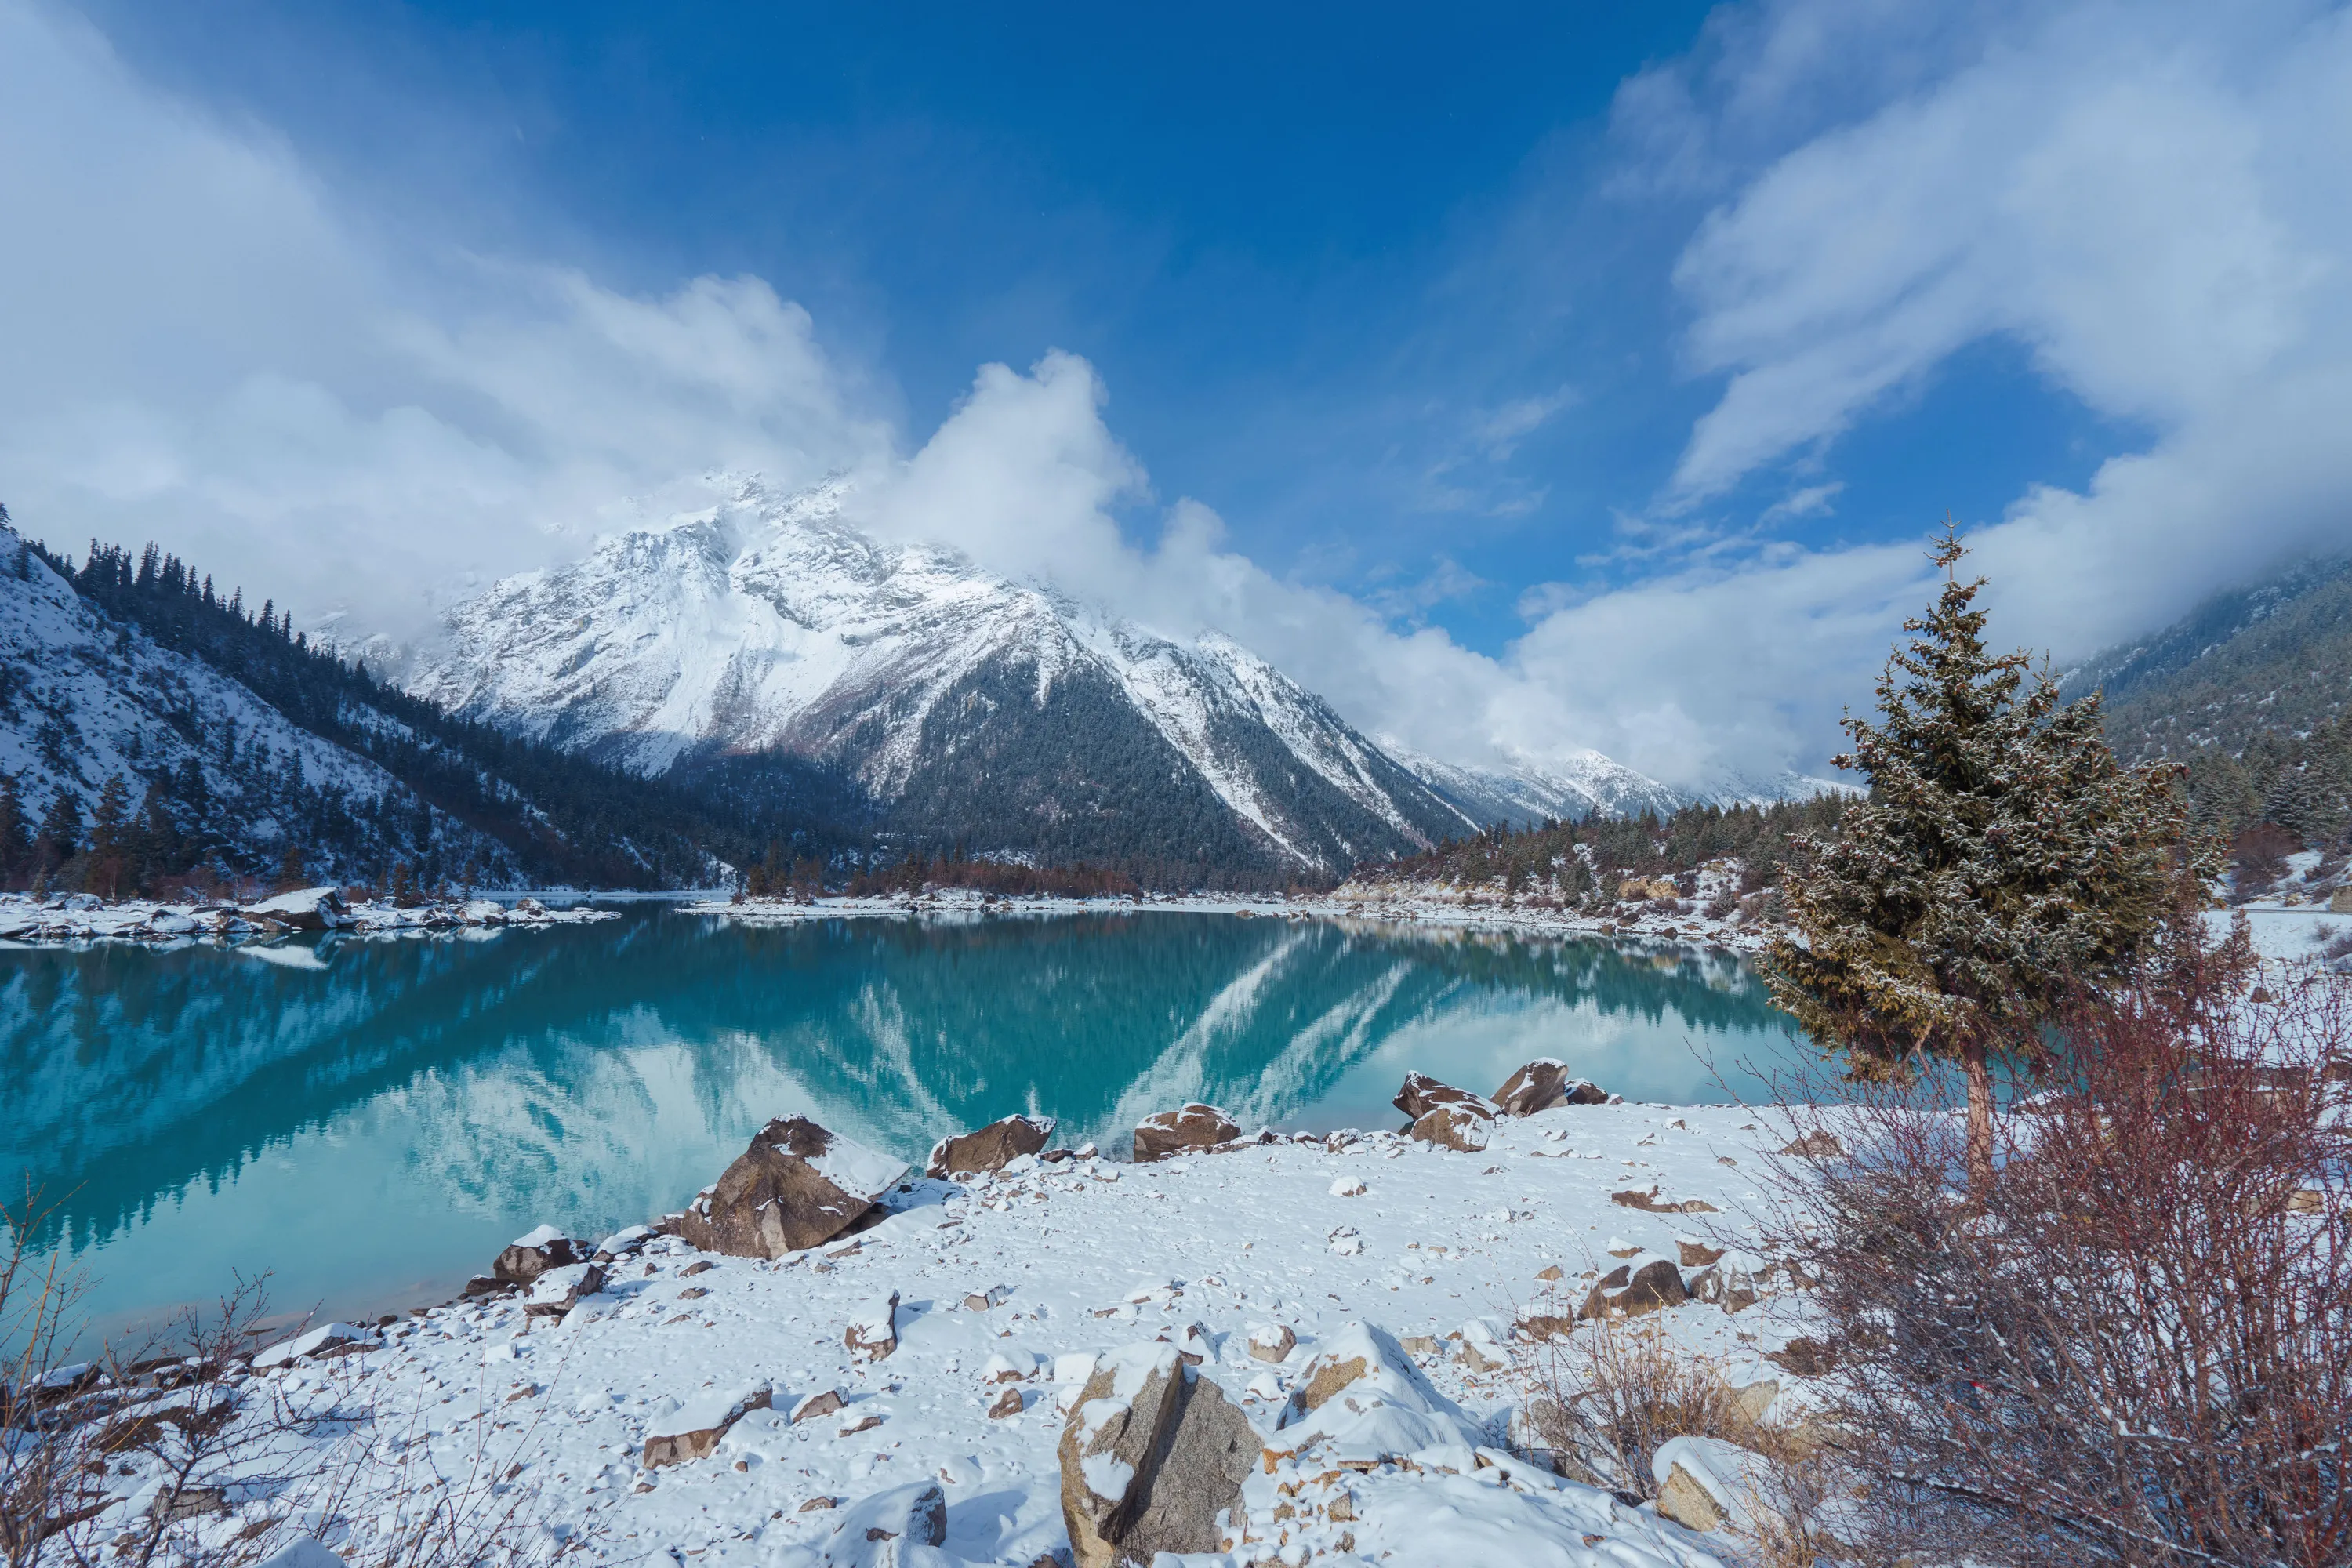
(85, 698)
(1000, 713)
(1525, 792)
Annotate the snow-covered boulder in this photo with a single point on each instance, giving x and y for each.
(797, 1186)
(874, 1333)
(990, 1148)
(1706, 1484)
(326, 1339)
(1152, 1458)
(558, 1291)
(1423, 1094)
(1643, 1283)
(692, 1430)
(1361, 1402)
(1464, 1126)
(902, 1528)
(1193, 1127)
(1272, 1342)
(1543, 1084)
(308, 909)
(528, 1256)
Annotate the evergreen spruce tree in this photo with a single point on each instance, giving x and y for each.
(109, 863)
(2002, 858)
(15, 834)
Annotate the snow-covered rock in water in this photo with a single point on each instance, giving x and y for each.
(990, 1148)
(1152, 1457)
(1423, 1094)
(526, 1258)
(1464, 1126)
(308, 908)
(693, 1430)
(1705, 1484)
(624, 1243)
(1643, 1283)
(558, 1291)
(797, 1186)
(1543, 1084)
(901, 1528)
(1195, 1127)
(325, 1340)
(874, 1333)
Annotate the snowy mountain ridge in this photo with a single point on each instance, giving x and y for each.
(767, 625)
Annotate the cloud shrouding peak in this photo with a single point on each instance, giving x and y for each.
(208, 348)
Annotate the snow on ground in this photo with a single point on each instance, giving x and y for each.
(1080, 1259)
(1381, 902)
(26, 922)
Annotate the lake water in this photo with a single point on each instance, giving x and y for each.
(370, 1120)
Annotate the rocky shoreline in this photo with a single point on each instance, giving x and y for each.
(1373, 904)
(26, 922)
(1243, 1348)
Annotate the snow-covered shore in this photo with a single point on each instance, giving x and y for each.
(1012, 1290)
(1389, 903)
(26, 922)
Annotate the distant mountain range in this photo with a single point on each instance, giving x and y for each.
(757, 673)
(2252, 691)
(766, 635)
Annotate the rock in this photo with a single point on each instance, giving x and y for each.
(1651, 1202)
(1635, 1287)
(876, 1531)
(1728, 1282)
(559, 1290)
(1193, 1343)
(1756, 1398)
(1804, 1357)
(1815, 1145)
(693, 1430)
(990, 1148)
(1548, 1272)
(1180, 1132)
(797, 1186)
(322, 1344)
(1464, 1126)
(1705, 1484)
(874, 1334)
(825, 1402)
(1272, 1342)
(484, 1285)
(1693, 1253)
(1543, 1084)
(1423, 1094)
(312, 909)
(983, 1301)
(1151, 1458)
(1008, 1403)
(527, 1258)
(623, 1243)
(1543, 1327)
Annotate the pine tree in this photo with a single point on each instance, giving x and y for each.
(59, 839)
(2002, 858)
(15, 836)
(109, 847)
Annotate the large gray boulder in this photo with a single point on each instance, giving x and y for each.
(797, 1186)
(1153, 1458)
(990, 1148)
(1189, 1131)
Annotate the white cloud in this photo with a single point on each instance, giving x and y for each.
(2139, 195)
(203, 348)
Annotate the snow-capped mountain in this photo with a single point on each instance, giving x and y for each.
(85, 698)
(965, 706)
(1525, 792)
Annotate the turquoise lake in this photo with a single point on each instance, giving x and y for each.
(368, 1121)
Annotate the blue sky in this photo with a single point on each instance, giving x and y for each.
(1591, 370)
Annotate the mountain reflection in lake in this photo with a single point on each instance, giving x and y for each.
(370, 1120)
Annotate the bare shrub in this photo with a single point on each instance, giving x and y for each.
(2131, 1340)
(178, 1453)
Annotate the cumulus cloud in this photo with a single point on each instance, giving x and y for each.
(2132, 193)
(204, 348)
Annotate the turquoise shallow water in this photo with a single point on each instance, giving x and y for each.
(368, 1121)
